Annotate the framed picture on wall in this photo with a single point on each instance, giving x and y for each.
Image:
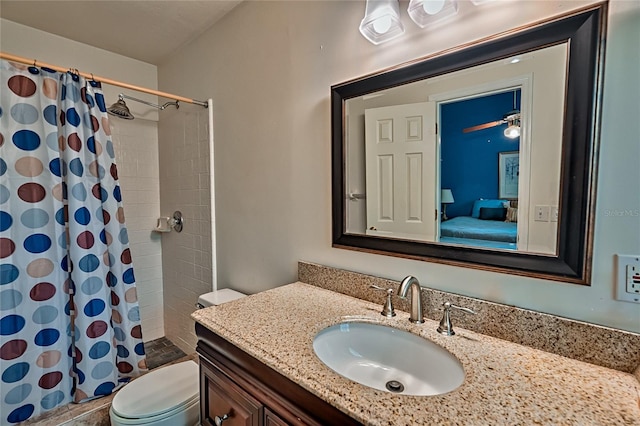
(508, 171)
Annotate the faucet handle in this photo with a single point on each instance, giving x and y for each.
(387, 309)
(460, 308)
(446, 327)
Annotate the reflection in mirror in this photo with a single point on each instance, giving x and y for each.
(401, 164)
(480, 164)
(483, 156)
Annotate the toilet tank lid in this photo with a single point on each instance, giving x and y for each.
(218, 297)
(158, 391)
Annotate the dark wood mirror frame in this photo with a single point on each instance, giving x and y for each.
(584, 31)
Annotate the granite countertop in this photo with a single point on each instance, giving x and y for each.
(505, 383)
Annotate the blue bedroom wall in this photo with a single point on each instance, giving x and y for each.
(469, 161)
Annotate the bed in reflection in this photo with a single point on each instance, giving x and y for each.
(492, 224)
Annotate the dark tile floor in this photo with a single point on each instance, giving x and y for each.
(160, 352)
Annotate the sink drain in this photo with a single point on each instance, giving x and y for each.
(394, 386)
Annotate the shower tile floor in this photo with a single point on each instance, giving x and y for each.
(161, 351)
(96, 413)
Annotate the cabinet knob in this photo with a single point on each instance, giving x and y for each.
(219, 419)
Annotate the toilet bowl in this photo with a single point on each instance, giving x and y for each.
(167, 396)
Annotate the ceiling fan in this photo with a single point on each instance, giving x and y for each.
(512, 118)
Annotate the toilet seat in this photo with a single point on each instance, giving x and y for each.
(158, 395)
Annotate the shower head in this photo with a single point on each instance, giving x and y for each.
(120, 109)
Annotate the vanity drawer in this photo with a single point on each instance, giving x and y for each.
(221, 396)
(272, 419)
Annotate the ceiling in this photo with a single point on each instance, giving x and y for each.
(147, 30)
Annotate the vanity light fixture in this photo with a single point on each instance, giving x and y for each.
(429, 12)
(381, 21)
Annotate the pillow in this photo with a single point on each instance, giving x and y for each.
(493, 213)
(475, 212)
(512, 214)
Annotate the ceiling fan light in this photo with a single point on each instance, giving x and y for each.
(512, 131)
(381, 21)
(430, 12)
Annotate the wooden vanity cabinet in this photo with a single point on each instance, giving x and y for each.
(233, 382)
(220, 396)
(272, 419)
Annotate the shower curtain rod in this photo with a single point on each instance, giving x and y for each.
(37, 63)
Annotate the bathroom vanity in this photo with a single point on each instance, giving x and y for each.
(237, 385)
(258, 366)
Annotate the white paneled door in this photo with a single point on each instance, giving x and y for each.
(401, 171)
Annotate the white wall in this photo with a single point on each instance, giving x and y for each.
(135, 143)
(27, 42)
(268, 67)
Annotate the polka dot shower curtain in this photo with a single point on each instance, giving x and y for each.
(69, 319)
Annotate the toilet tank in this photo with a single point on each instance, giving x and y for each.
(218, 297)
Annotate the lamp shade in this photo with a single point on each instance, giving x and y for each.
(429, 12)
(381, 21)
(446, 196)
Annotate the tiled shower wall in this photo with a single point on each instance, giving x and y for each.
(184, 183)
(136, 147)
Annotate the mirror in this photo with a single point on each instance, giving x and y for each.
(483, 157)
(404, 166)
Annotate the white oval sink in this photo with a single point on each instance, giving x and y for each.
(388, 359)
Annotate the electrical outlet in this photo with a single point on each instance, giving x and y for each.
(542, 214)
(628, 278)
(554, 213)
(633, 279)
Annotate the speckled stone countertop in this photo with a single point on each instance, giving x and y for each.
(505, 383)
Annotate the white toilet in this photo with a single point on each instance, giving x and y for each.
(168, 396)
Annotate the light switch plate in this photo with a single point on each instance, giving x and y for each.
(628, 278)
(542, 214)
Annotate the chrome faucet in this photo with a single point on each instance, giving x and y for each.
(417, 316)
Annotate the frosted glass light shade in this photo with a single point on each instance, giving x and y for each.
(381, 21)
(429, 12)
(512, 132)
